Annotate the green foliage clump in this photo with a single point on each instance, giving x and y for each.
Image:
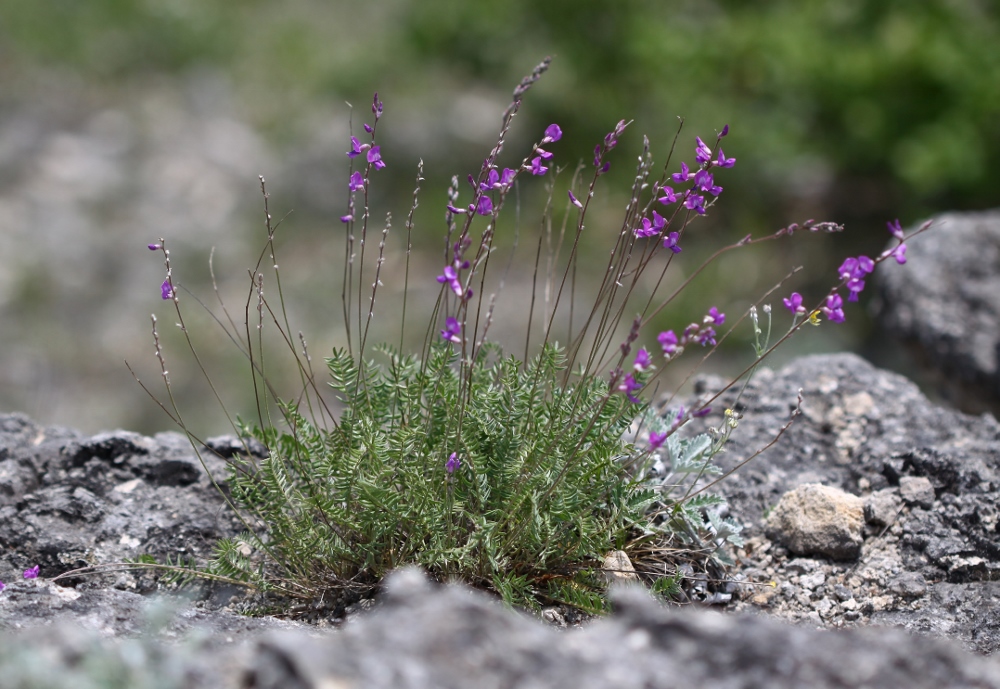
(539, 496)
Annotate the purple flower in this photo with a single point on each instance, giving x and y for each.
(485, 205)
(704, 411)
(855, 286)
(357, 148)
(543, 153)
(684, 175)
(656, 439)
(457, 211)
(723, 161)
(834, 308)
(668, 196)
(670, 242)
(575, 201)
(537, 168)
(452, 331)
(678, 418)
(628, 386)
(2, 586)
(704, 181)
(648, 229)
(668, 341)
(507, 177)
(695, 202)
(707, 337)
(375, 157)
(855, 268)
(346, 218)
(154, 247)
(368, 128)
(453, 463)
(794, 304)
(377, 106)
(31, 573)
(725, 130)
(715, 317)
(642, 361)
(451, 277)
(166, 290)
(896, 230)
(356, 181)
(492, 181)
(702, 153)
(552, 133)
(899, 253)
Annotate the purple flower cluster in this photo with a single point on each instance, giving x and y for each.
(494, 180)
(693, 198)
(703, 180)
(373, 154)
(453, 463)
(501, 181)
(852, 273)
(703, 333)
(552, 133)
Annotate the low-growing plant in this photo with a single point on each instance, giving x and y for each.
(516, 474)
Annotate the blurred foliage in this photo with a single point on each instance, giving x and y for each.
(866, 108)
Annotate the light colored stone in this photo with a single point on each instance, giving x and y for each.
(818, 520)
(917, 490)
(618, 567)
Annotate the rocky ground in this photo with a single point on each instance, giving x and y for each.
(876, 509)
(903, 534)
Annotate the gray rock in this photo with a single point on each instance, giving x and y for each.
(428, 635)
(916, 490)
(818, 520)
(909, 585)
(68, 502)
(451, 637)
(862, 430)
(945, 305)
(882, 507)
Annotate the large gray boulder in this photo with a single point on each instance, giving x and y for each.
(945, 306)
(929, 481)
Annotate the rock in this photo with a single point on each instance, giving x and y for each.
(446, 636)
(818, 520)
(945, 305)
(916, 490)
(908, 585)
(866, 450)
(618, 567)
(68, 502)
(882, 507)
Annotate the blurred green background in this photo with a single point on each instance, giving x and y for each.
(122, 121)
